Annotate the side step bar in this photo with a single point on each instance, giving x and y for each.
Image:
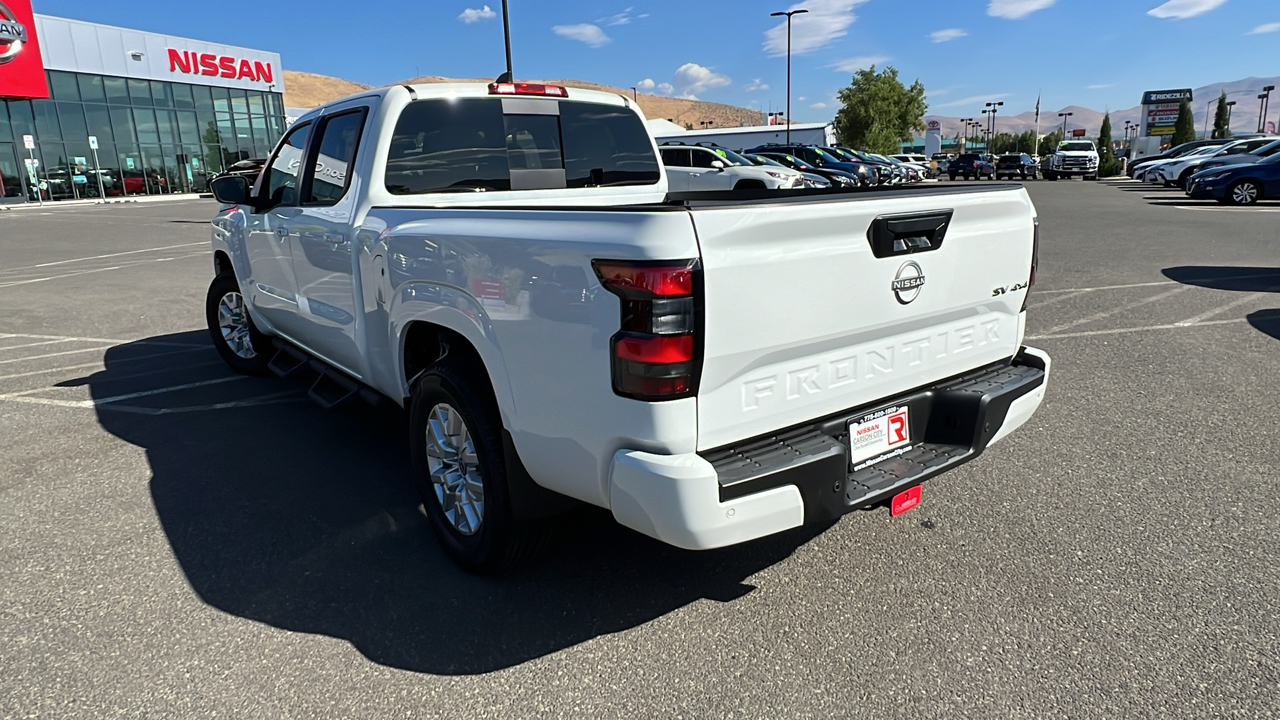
(331, 388)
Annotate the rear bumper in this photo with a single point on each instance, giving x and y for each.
(802, 474)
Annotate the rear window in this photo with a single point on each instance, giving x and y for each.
(467, 144)
(968, 157)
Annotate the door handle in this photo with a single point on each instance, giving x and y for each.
(334, 238)
(282, 232)
(908, 233)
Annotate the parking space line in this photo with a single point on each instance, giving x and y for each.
(272, 399)
(1120, 331)
(1251, 297)
(1106, 287)
(24, 395)
(98, 363)
(1113, 311)
(99, 257)
(95, 270)
(49, 355)
(117, 341)
(34, 344)
(1052, 300)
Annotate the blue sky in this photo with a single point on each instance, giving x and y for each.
(964, 51)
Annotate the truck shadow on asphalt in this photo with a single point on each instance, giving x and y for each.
(305, 519)
(1239, 279)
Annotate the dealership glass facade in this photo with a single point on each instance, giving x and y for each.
(153, 137)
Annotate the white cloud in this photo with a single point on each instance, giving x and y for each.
(1099, 86)
(1183, 9)
(692, 78)
(818, 105)
(802, 98)
(756, 85)
(1014, 9)
(1262, 29)
(623, 18)
(645, 84)
(941, 36)
(665, 88)
(587, 33)
(825, 22)
(861, 62)
(471, 15)
(974, 100)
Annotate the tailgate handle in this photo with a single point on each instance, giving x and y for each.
(908, 233)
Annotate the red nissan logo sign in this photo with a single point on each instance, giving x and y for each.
(193, 63)
(21, 67)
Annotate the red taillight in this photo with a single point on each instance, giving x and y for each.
(527, 89)
(655, 352)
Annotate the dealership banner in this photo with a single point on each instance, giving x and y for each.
(21, 66)
(1160, 110)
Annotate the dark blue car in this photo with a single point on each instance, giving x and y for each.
(1238, 184)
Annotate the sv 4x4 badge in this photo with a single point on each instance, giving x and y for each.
(1012, 288)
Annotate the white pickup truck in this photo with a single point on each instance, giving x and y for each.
(505, 261)
(1072, 158)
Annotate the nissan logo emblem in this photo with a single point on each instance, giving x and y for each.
(12, 34)
(907, 283)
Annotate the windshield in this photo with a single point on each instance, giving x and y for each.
(1076, 146)
(733, 157)
(762, 160)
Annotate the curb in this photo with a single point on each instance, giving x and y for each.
(91, 203)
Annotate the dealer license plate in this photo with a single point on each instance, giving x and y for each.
(875, 435)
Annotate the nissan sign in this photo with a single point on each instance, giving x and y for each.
(21, 67)
(226, 66)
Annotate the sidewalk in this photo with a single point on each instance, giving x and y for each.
(119, 201)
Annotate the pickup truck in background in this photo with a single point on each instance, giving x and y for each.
(505, 261)
(1072, 158)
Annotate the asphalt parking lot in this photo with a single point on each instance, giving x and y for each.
(178, 541)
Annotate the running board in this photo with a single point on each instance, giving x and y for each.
(331, 387)
(329, 390)
(287, 361)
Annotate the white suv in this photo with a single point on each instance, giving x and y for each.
(696, 167)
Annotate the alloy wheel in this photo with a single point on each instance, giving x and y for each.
(1246, 193)
(455, 469)
(233, 321)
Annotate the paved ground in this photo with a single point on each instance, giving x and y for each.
(225, 548)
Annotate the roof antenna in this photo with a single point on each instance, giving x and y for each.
(507, 76)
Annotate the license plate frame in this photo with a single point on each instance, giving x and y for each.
(878, 434)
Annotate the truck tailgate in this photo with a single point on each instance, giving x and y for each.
(802, 320)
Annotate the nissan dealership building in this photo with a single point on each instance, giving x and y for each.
(88, 110)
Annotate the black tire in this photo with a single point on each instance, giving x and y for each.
(952, 176)
(258, 343)
(500, 542)
(1237, 193)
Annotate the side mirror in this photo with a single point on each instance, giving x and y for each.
(231, 190)
(718, 164)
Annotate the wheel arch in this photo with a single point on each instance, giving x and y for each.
(222, 263)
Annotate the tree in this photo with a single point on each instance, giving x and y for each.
(1049, 143)
(1220, 129)
(1184, 130)
(878, 112)
(1108, 164)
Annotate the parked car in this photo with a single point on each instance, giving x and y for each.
(718, 371)
(1176, 172)
(812, 177)
(814, 156)
(1073, 158)
(1239, 184)
(971, 166)
(1151, 172)
(1140, 165)
(1019, 165)
(695, 167)
(1261, 153)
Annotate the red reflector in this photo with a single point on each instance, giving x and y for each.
(904, 501)
(656, 349)
(527, 89)
(661, 281)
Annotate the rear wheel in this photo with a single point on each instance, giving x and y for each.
(240, 343)
(1244, 192)
(460, 470)
(952, 176)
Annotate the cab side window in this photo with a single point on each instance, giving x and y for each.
(330, 175)
(704, 158)
(281, 187)
(676, 157)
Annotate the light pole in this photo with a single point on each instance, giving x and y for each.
(974, 125)
(965, 122)
(635, 95)
(788, 13)
(1064, 117)
(1264, 106)
(1230, 104)
(991, 128)
(506, 34)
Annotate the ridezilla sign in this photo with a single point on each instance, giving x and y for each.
(1160, 110)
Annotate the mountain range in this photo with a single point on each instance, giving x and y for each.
(1244, 116)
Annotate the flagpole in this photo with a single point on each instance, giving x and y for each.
(1037, 122)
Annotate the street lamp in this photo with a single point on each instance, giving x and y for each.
(966, 122)
(634, 94)
(788, 13)
(991, 128)
(506, 35)
(1230, 104)
(1064, 117)
(1263, 106)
